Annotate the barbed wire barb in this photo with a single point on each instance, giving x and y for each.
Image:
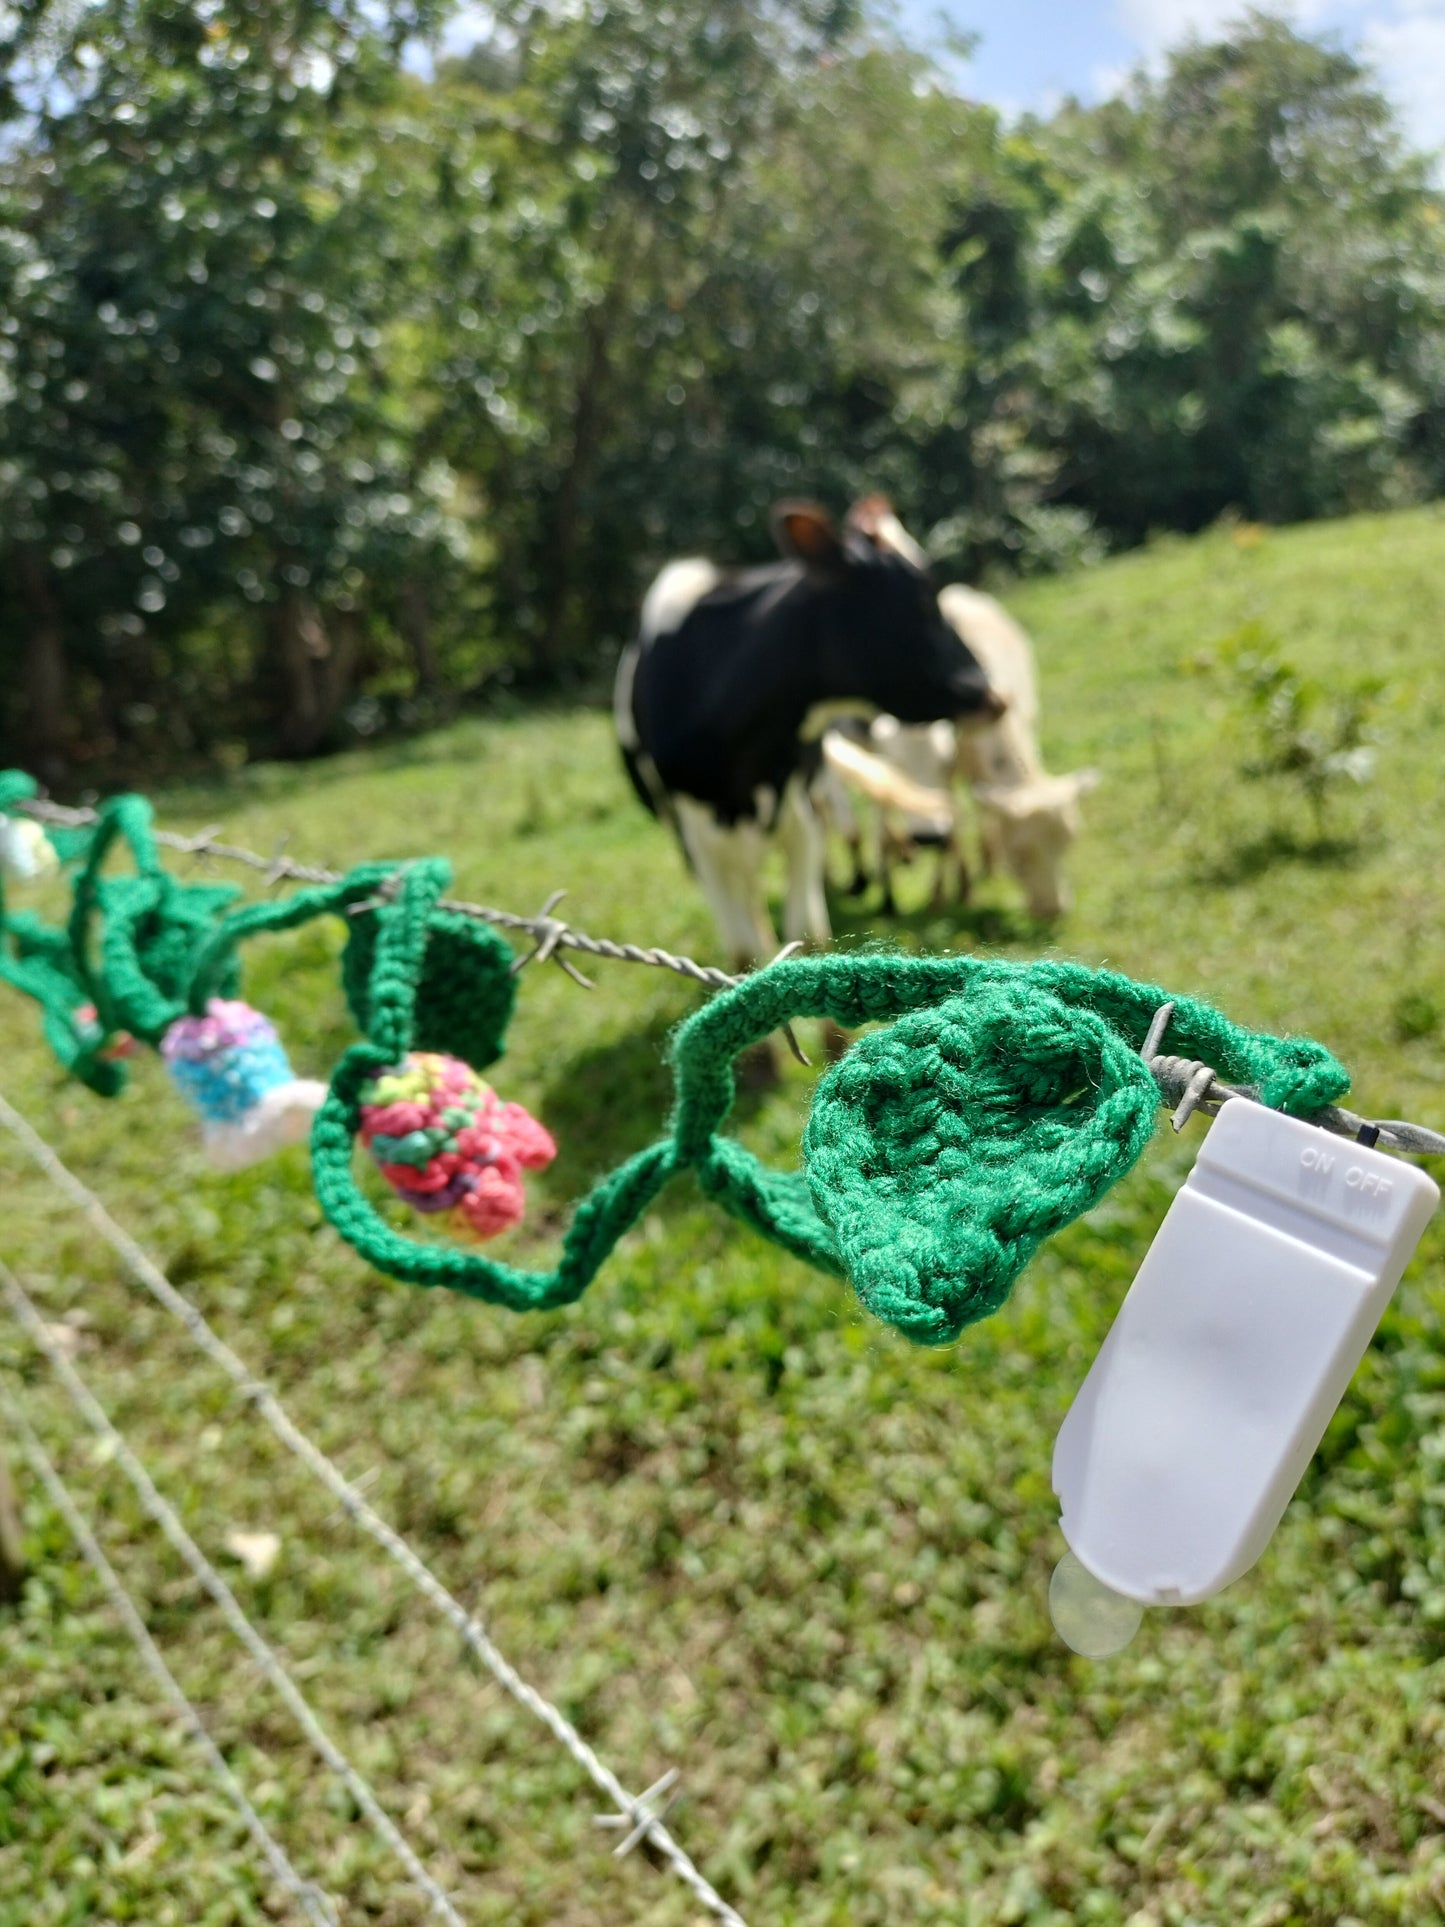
(551, 931)
(1192, 1086)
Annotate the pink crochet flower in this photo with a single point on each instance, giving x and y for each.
(445, 1142)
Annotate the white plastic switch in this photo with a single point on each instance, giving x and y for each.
(1236, 1342)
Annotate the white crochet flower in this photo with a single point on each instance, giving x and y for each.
(25, 850)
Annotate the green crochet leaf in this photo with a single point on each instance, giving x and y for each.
(153, 930)
(944, 1150)
(466, 992)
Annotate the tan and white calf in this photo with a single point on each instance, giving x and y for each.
(1028, 819)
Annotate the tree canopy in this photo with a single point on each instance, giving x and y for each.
(337, 383)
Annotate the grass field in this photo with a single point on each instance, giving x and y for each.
(728, 1522)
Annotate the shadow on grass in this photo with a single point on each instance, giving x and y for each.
(1256, 856)
(959, 926)
(612, 1100)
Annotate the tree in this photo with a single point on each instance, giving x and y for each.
(689, 264)
(331, 390)
(195, 286)
(1222, 290)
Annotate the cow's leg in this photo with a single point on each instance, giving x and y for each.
(805, 909)
(951, 879)
(857, 882)
(963, 876)
(727, 860)
(990, 836)
(938, 896)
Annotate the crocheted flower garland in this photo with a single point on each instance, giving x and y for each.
(444, 1141)
(1003, 1099)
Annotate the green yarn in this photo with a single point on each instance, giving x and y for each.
(941, 1276)
(37, 960)
(395, 1012)
(15, 787)
(465, 998)
(144, 949)
(1001, 1100)
(944, 1150)
(152, 928)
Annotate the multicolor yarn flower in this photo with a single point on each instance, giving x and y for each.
(231, 1066)
(445, 1141)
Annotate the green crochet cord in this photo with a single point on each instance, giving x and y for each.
(1001, 1100)
(38, 961)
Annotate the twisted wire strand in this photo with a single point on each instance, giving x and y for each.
(264, 1402)
(1193, 1086)
(161, 1513)
(318, 1907)
(545, 930)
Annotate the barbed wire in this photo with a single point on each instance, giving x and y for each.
(1188, 1084)
(551, 935)
(641, 1816)
(1192, 1086)
(162, 1514)
(318, 1906)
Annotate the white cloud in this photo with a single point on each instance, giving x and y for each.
(1106, 82)
(466, 26)
(1408, 52)
(1403, 39)
(1157, 24)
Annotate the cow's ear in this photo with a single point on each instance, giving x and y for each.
(805, 533)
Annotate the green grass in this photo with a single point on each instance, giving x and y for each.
(727, 1521)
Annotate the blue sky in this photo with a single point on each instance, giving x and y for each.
(1031, 51)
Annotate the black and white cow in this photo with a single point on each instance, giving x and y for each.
(721, 702)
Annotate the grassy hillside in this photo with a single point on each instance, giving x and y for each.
(729, 1522)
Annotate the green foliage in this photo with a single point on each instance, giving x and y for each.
(332, 391)
(1222, 290)
(195, 267)
(1317, 736)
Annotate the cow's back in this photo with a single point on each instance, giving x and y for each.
(1001, 648)
(1003, 753)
